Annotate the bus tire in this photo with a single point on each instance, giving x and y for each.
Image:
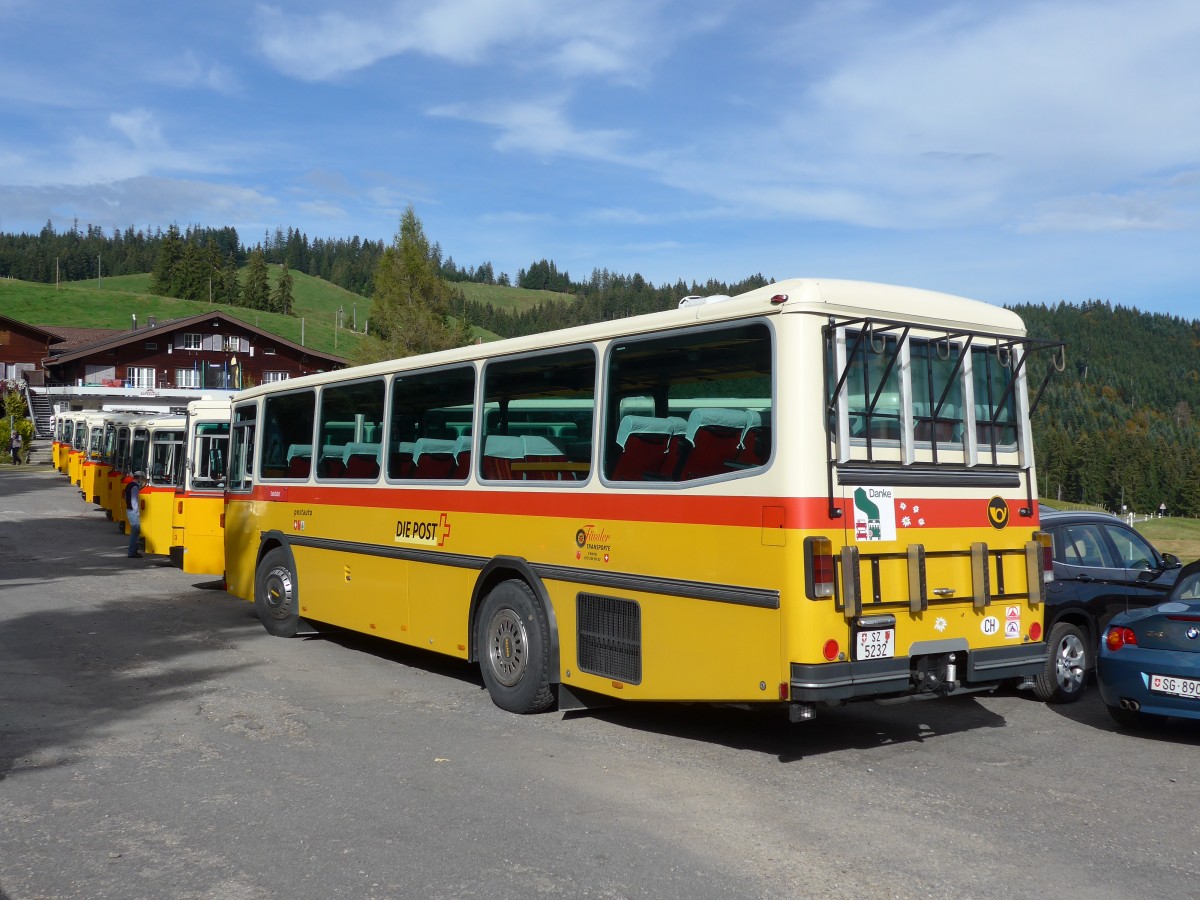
(513, 638)
(275, 594)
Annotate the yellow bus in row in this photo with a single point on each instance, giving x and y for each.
(64, 429)
(812, 493)
(164, 473)
(197, 543)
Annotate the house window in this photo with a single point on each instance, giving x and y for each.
(139, 377)
(187, 378)
(274, 376)
(268, 351)
(150, 345)
(233, 343)
(193, 341)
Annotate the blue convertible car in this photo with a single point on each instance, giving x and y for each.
(1148, 665)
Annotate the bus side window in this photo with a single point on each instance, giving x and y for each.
(421, 442)
(532, 406)
(241, 448)
(351, 418)
(287, 422)
(690, 405)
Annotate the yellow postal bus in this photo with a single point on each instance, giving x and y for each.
(63, 429)
(163, 476)
(197, 535)
(812, 493)
(92, 468)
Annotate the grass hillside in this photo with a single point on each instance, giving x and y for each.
(111, 303)
(1178, 536)
(510, 298)
(1175, 534)
(117, 299)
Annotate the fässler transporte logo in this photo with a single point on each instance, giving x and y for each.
(997, 512)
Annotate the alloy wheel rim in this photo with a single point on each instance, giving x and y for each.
(1069, 663)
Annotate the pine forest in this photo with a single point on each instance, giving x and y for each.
(1118, 428)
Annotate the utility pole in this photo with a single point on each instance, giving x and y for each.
(99, 278)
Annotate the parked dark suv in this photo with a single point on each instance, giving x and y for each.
(1101, 567)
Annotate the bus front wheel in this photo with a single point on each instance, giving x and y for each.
(513, 638)
(275, 594)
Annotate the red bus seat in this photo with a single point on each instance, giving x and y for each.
(649, 448)
(299, 460)
(713, 439)
(433, 458)
(361, 460)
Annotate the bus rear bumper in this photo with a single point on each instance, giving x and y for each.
(879, 678)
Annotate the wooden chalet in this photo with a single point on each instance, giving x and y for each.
(22, 349)
(155, 367)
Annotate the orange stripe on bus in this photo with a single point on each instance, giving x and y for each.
(807, 512)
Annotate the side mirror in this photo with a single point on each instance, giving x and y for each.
(1171, 561)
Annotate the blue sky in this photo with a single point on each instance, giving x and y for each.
(1013, 152)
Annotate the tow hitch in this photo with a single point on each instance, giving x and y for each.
(935, 674)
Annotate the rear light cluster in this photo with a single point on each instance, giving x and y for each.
(1047, 545)
(1118, 637)
(818, 567)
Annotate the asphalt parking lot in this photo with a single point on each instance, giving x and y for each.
(156, 742)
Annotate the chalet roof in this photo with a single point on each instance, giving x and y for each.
(69, 337)
(42, 330)
(120, 338)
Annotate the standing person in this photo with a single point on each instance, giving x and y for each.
(14, 445)
(133, 512)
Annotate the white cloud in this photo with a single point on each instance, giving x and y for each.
(137, 201)
(615, 39)
(189, 71)
(540, 128)
(966, 115)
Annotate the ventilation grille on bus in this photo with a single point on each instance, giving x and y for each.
(610, 637)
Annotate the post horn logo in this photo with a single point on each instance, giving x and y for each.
(997, 512)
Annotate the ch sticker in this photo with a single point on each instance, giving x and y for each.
(997, 512)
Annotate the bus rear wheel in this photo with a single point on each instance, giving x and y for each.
(513, 638)
(275, 594)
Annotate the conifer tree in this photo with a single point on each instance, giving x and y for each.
(281, 297)
(230, 290)
(166, 266)
(256, 292)
(411, 301)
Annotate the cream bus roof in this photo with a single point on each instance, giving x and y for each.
(209, 406)
(865, 298)
(844, 299)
